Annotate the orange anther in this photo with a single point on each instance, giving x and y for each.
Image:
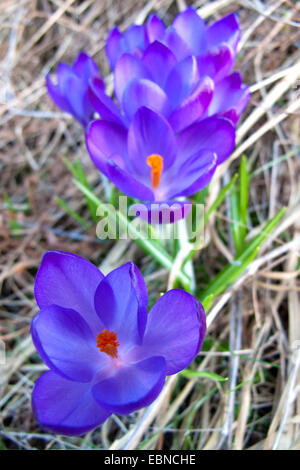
(156, 162)
(107, 343)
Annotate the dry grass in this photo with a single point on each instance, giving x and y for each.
(254, 328)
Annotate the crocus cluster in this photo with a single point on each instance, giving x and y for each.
(105, 353)
(176, 105)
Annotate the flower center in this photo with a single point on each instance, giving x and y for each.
(107, 343)
(156, 162)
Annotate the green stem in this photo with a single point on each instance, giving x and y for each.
(149, 246)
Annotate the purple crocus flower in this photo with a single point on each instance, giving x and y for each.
(182, 71)
(150, 162)
(71, 91)
(187, 35)
(105, 353)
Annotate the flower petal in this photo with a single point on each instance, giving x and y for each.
(177, 44)
(69, 281)
(128, 68)
(57, 97)
(121, 302)
(195, 174)
(217, 63)
(214, 134)
(135, 38)
(132, 387)
(66, 407)
(176, 328)
(226, 30)
(193, 106)
(150, 133)
(114, 47)
(180, 81)
(105, 139)
(159, 60)
(102, 103)
(143, 92)
(230, 97)
(126, 183)
(85, 67)
(81, 107)
(155, 28)
(66, 343)
(191, 28)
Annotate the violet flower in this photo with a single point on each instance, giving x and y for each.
(182, 71)
(150, 162)
(105, 353)
(71, 91)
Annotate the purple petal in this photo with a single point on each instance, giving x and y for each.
(230, 97)
(132, 387)
(69, 281)
(128, 68)
(121, 302)
(70, 93)
(180, 81)
(115, 46)
(63, 73)
(78, 98)
(191, 28)
(214, 134)
(175, 329)
(57, 92)
(166, 212)
(217, 63)
(226, 30)
(126, 183)
(150, 133)
(193, 106)
(195, 174)
(135, 38)
(57, 97)
(64, 406)
(102, 103)
(104, 140)
(66, 343)
(177, 44)
(159, 60)
(155, 28)
(85, 67)
(143, 92)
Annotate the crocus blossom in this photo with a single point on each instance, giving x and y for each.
(187, 35)
(71, 91)
(150, 162)
(105, 353)
(183, 72)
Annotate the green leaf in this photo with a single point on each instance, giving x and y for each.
(244, 197)
(202, 374)
(235, 223)
(219, 199)
(207, 302)
(148, 245)
(73, 213)
(232, 270)
(78, 171)
(217, 202)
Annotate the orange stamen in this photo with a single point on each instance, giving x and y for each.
(107, 343)
(156, 162)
